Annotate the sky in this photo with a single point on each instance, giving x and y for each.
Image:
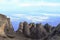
(37, 11)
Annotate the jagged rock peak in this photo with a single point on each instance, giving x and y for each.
(5, 26)
(58, 27)
(48, 27)
(1, 15)
(20, 29)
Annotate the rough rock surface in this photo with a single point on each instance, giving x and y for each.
(40, 31)
(6, 28)
(48, 27)
(27, 31)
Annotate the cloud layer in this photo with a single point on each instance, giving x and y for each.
(34, 18)
(36, 10)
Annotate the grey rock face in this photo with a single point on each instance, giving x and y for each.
(48, 27)
(20, 29)
(55, 34)
(40, 31)
(9, 29)
(3, 22)
(33, 31)
(26, 30)
(58, 27)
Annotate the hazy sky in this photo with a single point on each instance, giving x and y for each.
(44, 11)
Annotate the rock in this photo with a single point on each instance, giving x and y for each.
(26, 30)
(30, 25)
(5, 26)
(40, 31)
(20, 29)
(53, 28)
(55, 34)
(58, 27)
(9, 29)
(23, 32)
(56, 31)
(33, 31)
(3, 22)
(48, 28)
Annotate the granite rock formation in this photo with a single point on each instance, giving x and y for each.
(27, 31)
(20, 29)
(33, 31)
(40, 31)
(48, 28)
(3, 22)
(6, 28)
(55, 34)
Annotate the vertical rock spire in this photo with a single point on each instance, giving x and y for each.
(26, 30)
(5, 26)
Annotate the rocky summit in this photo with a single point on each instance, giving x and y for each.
(27, 31)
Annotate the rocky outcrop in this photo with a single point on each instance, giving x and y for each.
(55, 34)
(27, 31)
(37, 32)
(40, 31)
(33, 31)
(2, 33)
(3, 22)
(23, 31)
(48, 28)
(5, 26)
(20, 29)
